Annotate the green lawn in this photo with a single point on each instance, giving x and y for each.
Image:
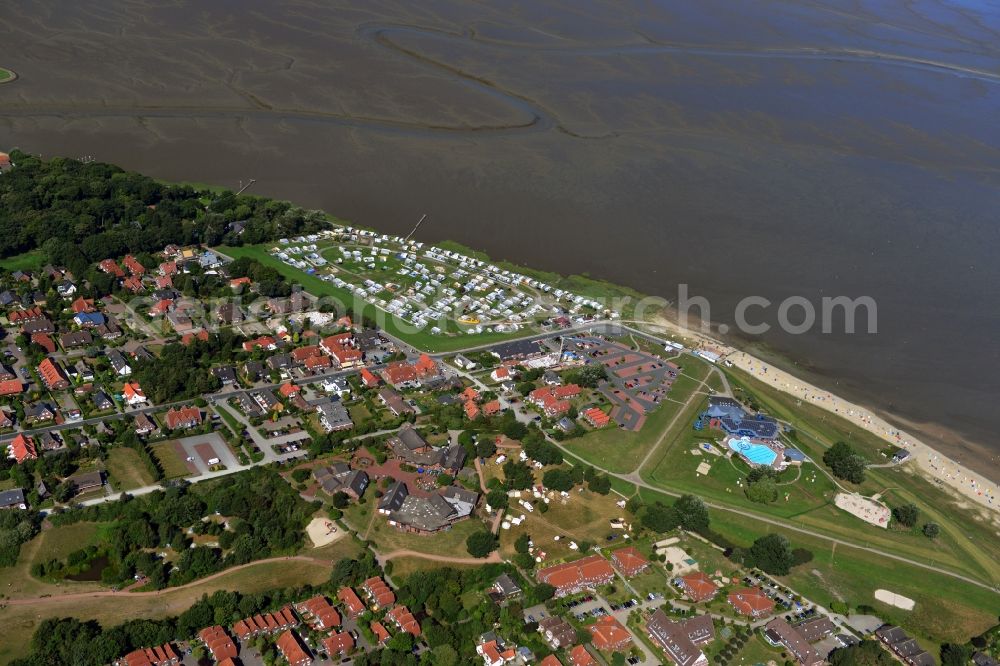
(421, 339)
(387, 538)
(234, 426)
(621, 451)
(173, 465)
(127, 469)
(5, 74)
(28, 261)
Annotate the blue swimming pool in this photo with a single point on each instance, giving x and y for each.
(758, 454)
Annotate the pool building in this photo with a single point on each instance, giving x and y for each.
(730, 416)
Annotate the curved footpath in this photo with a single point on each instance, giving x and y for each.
(494, 557)
(60, 598)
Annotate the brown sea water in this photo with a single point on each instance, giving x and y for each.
(753, 148)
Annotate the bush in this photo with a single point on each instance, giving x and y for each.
(931, 530)
(481, 544)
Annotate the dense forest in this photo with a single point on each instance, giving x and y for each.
(82, 213)
(253, 515)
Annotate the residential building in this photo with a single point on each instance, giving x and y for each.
(557, 632)
(13, 499)
(52, 375)
(381, 634)
(265, 623)
(11, 387)
(164, 655)
(183, 417)
(75, 339)
(681, 639)
(225, 374)
(751, 602)
(352, 603)
(102, 401)
(379, 593)
(320, 613)
(133, 394)
(333, 415)
(339, 477)
(505, 587)
(393, 498)
(338, 644)
(518, 350)
(698, 586)
(903, 646)
(404, 620)
(293, 649)
(119, 363)
(779, 632)
(144, 424)
(573, 577)
(579, 656)
(629, 561)
(608, 635)
(394, 402)
(218, 643)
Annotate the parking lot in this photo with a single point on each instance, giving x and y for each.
(200, 449)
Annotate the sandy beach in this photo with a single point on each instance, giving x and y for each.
(935, 466)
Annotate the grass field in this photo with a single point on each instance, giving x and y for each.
(54, 543)
(127, 469)
(230, 420)
(621, 451)
(172, 464)
(20, 621)
(405, 566)
(27, 261)
(421, 339)
(387, 538)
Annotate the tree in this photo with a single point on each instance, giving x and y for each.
(517, 475)
(845, 462)
(558, 479)
(906, 514)
(953, 654)
(485, 447)
(445, 480)
(865, 653)
(772, 553)
(692, 513)
(497, 498)
(763, 491)
(931, 530)
(659, 517)
(600, 484)
(481, 543)
(522, 543)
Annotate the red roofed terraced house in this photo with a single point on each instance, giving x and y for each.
(404, 620)
(553, 400)
(751, 602)
(183, 417)
(163, 655)
(302, 353)
(573, 577)
(23, 316)
(23, 448)
(314, 363)
(320, 613)
(596, 417)
(52, 376)
(266, 623)
(629, 561)
(698, 586)
(338, 644)
(133, 284)
(579, 656)
(44, 341)
(218, 643)
(379, 593)
(351, 601)
(292, 649)
(11, 387)
(609, 635)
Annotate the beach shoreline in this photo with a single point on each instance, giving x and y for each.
(964, 483)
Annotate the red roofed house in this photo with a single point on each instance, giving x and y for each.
(751, 602)
(110, 267)
(400, 374)
(609, 635)
(292, 649)
(23, 448)
(492, 656)
(379, 593)
(492, 407)
(164, 282)
(338, 644)
(553, 399)
(288, 390)
(351, 602)
(266, 623)
(52, 375)
(236, 283)
(324, 616)
(403, 618)
(133, 265)
(629, 561)
(302, 353)
(183, 417)
(82, 305)
(381, 635)
(44, 341)
(368, 379)
(23, 316)
(264, 342)
(579, 656)
(162, 307)
(133, 394)
(572, 577)
(425, 366)
(11, 386)
(168, 268)
(468, 394)
(501, 374)
(314, 363)
(698, 586)
(133, 284)
(188, 338)
(163, 655)
(218, 643)
(550, 660)
(471, 410)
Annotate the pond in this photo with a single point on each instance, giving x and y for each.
(93, 572)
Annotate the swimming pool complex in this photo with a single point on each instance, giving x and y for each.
(757, 454)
